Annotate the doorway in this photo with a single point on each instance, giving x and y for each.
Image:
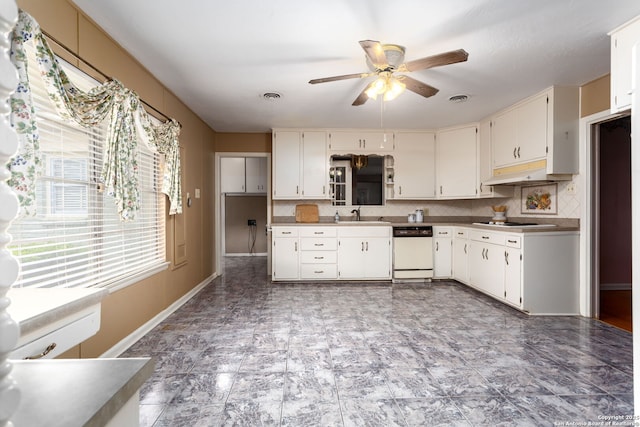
(611, 257)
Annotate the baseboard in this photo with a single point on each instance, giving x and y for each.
(133, 337)
(615, 286)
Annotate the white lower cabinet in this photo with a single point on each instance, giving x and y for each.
(461, 255)
(364, 253)
(284, 254)
(486, 265)
(513, 275)
(536, 272)
(308, 252)
(318, 253)
(442, 241)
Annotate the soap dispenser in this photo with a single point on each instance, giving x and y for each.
(336, 217)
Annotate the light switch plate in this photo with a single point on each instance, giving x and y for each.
(197, 193)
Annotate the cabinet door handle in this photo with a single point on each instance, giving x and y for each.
(506, 257)
(441, 189)
(514, 152)
(518, 152)
(295, 246)
(400, 188)
(486, 254)
(323, 189)
(297, 190)
(481, 187)
(46, 351)
(367, 246)
(465, 248)
(361, 246)
(437, 246)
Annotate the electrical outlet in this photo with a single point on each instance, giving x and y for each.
(571, 188)
(251, 222)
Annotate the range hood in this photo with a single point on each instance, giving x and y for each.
(536, 176)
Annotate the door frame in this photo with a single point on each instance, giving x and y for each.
(589, 302)
(220, 205)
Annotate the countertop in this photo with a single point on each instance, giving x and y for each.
(76, 392)
(541, 229)
(34, 308)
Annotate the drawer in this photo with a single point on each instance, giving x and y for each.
(319, 271)
(63, 338)
(364, 231)
(318, 257)
(284, 231)
(318, 244)
(513, 241)
(461, 233)
(487, 237)
(318, 232)
(442, 232)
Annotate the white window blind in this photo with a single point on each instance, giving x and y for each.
(76, 239)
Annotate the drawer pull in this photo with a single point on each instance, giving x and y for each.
(512, 241)
(318, 244)
(318, 257)
(485, 237)
(46, 351)
(286, 232)
(318, 232)
(318, 271)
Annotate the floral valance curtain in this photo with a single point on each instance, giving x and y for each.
(128, 123)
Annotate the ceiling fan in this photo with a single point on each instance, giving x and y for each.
(386, 59)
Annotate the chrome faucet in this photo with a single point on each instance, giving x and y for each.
(357, 212)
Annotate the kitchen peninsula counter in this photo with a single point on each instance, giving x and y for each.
(79, 392)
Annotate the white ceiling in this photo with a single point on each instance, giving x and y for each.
(219, 57)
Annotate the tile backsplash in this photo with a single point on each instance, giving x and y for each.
(568, 206)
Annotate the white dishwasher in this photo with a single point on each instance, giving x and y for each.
(413, 252)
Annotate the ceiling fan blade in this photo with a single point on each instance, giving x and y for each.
(418, 87)
(343, 77)
(375, 52)
(363, 97)
(446, 58)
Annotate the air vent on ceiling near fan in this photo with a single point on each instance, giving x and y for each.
(458, 98)
(271, 96)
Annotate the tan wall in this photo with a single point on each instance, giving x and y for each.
(127, 309)
(595, 96)
(239, 209)
(243, 142)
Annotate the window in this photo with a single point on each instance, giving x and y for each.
(76, 239)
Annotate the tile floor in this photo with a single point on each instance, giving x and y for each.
(247, 352)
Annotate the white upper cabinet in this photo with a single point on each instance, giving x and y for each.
(520, 134)
(363, 142)
(456, 162)
(623, 39)
(243, 174)
(414, 165)
(300, 165)
(315, 165)
(256, 174)
(286, 165)
(232, 179)
(540, 132)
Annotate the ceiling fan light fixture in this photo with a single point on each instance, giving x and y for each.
(395, 88)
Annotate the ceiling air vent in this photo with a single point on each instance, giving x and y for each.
(271, 96)
(458, 98)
